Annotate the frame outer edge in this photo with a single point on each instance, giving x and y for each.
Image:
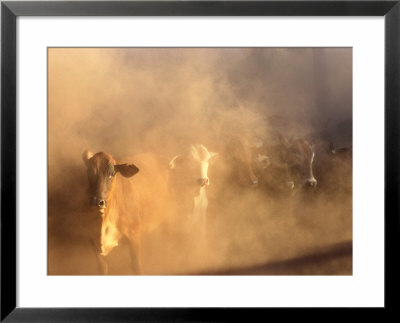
(203, 8)
(392, 154)
(8, 158)
(8, 161)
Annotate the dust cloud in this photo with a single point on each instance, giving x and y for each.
(127, 101)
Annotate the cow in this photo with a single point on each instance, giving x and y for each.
(129, 200)
(272, 172)
(275, 178)
(259, 153)
(291, 164)
(188, 183)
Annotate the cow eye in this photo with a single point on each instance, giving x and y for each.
(111, 175)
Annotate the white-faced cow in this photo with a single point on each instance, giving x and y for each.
(129, 200)
(188, 183)
(294, 161)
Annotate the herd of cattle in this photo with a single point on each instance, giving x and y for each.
(142, 192)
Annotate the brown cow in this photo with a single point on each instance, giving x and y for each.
(272, 171)
(128, 204)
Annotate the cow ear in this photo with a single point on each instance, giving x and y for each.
(126, 170)
(86, 156)
(175, 161)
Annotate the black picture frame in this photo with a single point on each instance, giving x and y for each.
(10, 10)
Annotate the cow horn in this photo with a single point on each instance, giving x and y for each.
(172, 162)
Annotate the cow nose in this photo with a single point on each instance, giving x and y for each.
(101, 204)
(312, 182)
(203, 181)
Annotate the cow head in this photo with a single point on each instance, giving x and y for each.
(259, 152)
(263, 161)
(277, 177)
(101, 171)
(193, 166)
(299, 156)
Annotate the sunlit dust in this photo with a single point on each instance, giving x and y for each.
(218, 161)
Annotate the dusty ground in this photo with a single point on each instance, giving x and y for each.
(297, 235)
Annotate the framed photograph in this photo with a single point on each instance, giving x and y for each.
(197, 161)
